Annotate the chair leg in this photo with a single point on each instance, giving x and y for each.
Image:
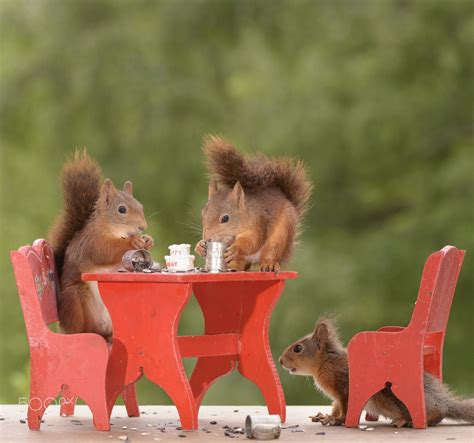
(413, 396)
(67, 402)
(97, 401)
(100, 417)
(356, 403)
(129, 396)
(37, 404)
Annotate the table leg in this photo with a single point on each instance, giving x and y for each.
(206, 372)
(220, 305)
(256, 361)
(145, 322)
(246, 308)
(122, 372)
(129, 395)
(162, 361)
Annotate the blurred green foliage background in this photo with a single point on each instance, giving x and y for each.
(375, 96)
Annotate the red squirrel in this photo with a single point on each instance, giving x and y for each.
(322, 356)
(255, 203)
(98, 225)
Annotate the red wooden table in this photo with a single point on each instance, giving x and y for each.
(145, 311)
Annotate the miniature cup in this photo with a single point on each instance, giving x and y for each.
(137, 260)
(215, 259)
(263, 427)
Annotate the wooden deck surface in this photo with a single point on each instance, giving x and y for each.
(159, 423)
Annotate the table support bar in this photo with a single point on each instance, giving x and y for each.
(211, 345)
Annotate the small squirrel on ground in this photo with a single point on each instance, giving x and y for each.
(98, 225)
(322, 356)
(255, 203)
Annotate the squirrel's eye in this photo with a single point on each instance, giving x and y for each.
(122, 209)
(224, 218)
(297, 349)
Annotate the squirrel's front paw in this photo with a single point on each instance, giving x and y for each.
(200, 248)
(318, 417)
(148, 239)
(330, 420)
(234, 258)
(232, 253)
(142, 242)
(326, 419)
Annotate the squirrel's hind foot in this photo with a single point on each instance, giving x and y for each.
(269, 266)
(401, 423)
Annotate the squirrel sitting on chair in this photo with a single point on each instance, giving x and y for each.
(98, 225)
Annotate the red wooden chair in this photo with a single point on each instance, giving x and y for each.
(73, 364)
(399, 355)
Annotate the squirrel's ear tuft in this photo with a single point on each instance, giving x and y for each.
(212, 188)
(128, 187)
(108, 190)
(321, 331)
(238, 195)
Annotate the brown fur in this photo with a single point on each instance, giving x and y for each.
(81, 178)
(264, 199)
(258, 171)
(325, 359)
(96, 245)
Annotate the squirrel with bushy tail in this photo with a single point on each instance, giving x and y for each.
(98, 225)
(322, 355)
(255, 204)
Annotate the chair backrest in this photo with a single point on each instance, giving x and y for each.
(38, 285)
(436, 292)
(444, 291)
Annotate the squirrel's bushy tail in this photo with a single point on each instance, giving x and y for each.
(461, 409)
(81, 180)
(258, 171)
